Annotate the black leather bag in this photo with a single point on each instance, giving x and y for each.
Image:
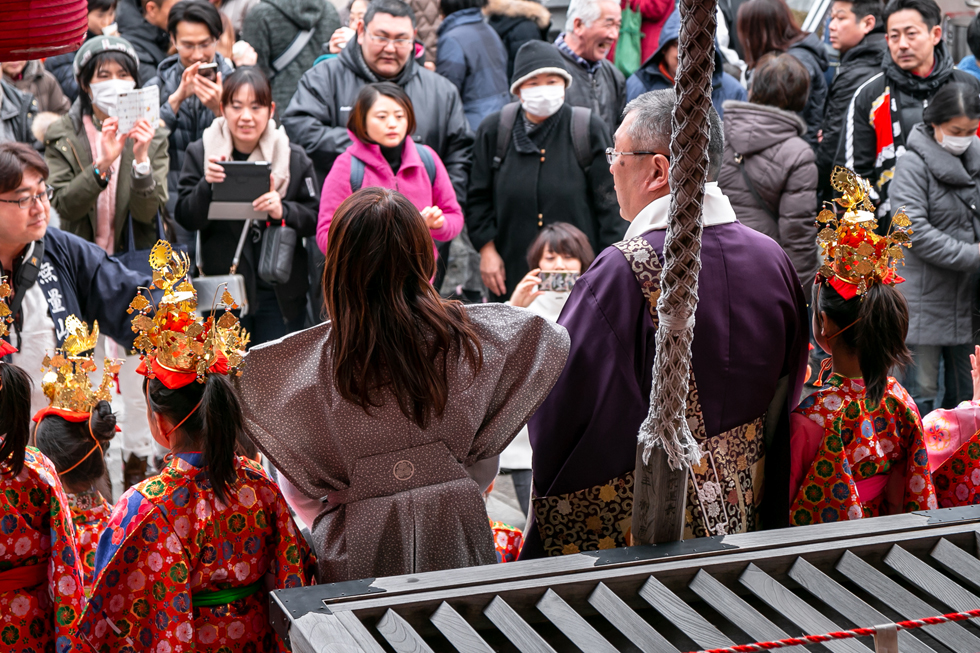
(276, 254)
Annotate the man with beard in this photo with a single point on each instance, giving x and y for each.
(885, 107)
(591, 29)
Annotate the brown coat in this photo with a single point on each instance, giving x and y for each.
(783, 170)
(428, 18)
(43, 86)
(398, 499)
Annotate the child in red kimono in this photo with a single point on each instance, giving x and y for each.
(74, 433)
(79, 454)
(189, 556)
(953, 439)
(41, 595)
(856, 444)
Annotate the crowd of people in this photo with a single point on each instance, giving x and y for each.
(447, 282)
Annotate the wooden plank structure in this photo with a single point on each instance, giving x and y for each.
(668, 598)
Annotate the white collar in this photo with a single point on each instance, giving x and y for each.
(716, 210)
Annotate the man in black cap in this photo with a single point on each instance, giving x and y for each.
(549, 166)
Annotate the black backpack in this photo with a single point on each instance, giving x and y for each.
(357, 167)
(580, 134)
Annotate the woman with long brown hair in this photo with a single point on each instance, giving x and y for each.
(766, 26)
(377, 419)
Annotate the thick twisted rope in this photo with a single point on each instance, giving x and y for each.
(846, 634)
(665, 425)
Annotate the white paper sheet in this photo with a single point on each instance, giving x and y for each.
(136, 104)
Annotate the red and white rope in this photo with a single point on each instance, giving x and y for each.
(845, 634)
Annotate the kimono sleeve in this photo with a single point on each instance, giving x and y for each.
(914, 476)
(533, 352)
(294, 564)
(142, 588)
(65, 566)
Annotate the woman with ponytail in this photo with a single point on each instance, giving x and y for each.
(189, 556)
(41, 595)
(857, 445)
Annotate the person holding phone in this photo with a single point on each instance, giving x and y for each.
(100, 178)
(559, 248)
(246, 131)
(384, 154)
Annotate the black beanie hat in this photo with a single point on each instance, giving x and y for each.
(535, 58)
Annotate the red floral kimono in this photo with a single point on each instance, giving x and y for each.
(507, 540)
(37, 544)
(90, 512)
(176, 570)
(953, 439)
(851, 460)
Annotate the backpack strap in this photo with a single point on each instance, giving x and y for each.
(581, 116)
(292, 51)
(508, 116)
(356, 174)
(428, 161)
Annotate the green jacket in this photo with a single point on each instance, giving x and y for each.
(76, 189)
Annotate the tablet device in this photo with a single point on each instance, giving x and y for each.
(245, 182)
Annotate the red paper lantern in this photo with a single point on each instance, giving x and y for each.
(34, 29)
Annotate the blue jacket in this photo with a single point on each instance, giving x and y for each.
(472, 57)
(649, 78)
(79, 278)
(969, 64)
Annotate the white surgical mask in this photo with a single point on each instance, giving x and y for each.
(542, 101)
(955, 145)
(106, 94)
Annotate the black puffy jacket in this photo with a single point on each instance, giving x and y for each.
(811, 53)
(857, 65)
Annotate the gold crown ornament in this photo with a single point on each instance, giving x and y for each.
(66, 384)
(177, 346)
(5, 318)
(854, 256)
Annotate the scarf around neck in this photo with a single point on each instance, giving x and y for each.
(273, 147)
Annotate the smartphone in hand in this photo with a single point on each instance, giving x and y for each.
(557, 281)
(208, 71)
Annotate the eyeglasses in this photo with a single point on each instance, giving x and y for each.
(384, 41)
(28, 202)
(612, 155)
(193, 47)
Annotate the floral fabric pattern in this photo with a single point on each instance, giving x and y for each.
(90, 513)
(507, 540)
(958, 479)
(860, 442)
(36, 528)
(169, 538)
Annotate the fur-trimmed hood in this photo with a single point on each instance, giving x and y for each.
(520, 9)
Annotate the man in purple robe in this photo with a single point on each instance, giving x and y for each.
(749, 358)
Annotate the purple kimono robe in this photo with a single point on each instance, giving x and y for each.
(750, 331)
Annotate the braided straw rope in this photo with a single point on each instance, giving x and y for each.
(665, 425)
(846, 634)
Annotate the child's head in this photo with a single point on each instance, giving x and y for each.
(15, 417)
(872, 326)
(199, 417)
(560, 246)
(71, 446)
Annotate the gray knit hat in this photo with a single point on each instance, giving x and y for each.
(97, 45)
(536, 58)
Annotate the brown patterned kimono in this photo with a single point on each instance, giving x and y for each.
(398, 499)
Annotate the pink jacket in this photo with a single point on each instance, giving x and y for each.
(412, 181)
